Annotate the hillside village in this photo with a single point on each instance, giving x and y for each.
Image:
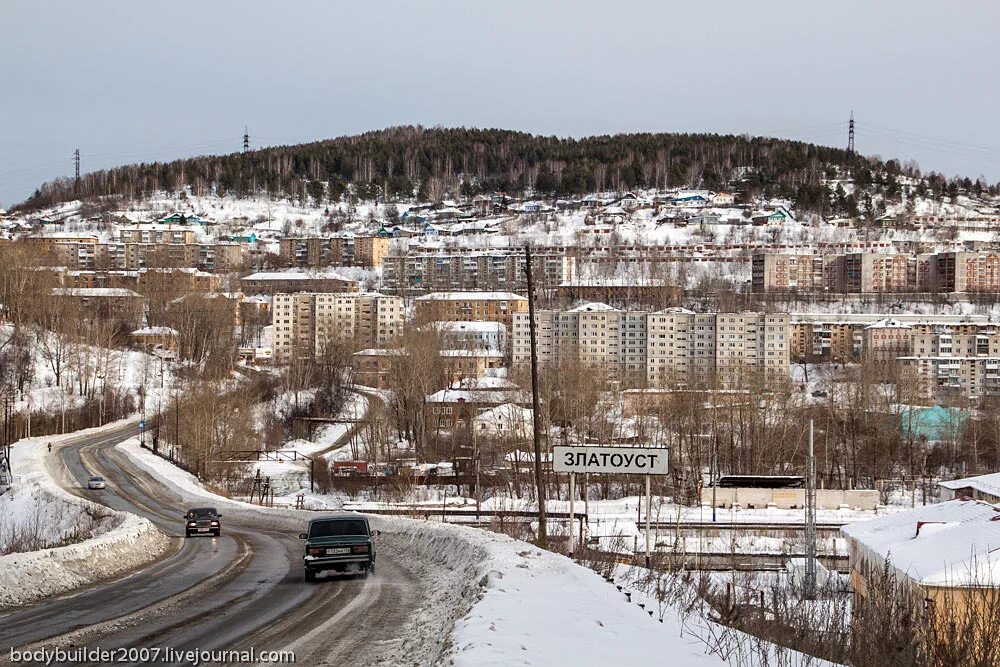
(544, 334)
(386, 349)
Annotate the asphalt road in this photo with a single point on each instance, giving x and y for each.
(243, 589)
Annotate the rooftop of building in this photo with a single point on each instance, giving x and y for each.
(477, 327)
(155, 331)
(593, 307)
(298, 274)
(888, 323)
(945, 544)
(471, 296)
(95, 292)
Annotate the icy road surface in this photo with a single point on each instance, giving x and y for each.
(242, 589)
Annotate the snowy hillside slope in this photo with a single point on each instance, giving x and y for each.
(271, 219)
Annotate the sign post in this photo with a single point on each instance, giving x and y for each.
(646, 461)
(572, 493)
(649, 511)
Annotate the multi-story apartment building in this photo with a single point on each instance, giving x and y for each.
(865, 272)
(127, 279)
(305, 252)
(424, 272)
(166, 280)
(883, 341)
(680, 345)
(297, 281)
(754, 340)
(966, 377)
(305, 322)
(367, 251)
(103, 302)
(945, 342)
(967, 272)
(611, 338)
(469, 307)
(373, 366)
(824, 340)
(205, 256)
(154, 233)
(178, 280)
(472, 335)
(347, 250)
(875, 272)
(667, 347)
(87, 256)
(780, 272)
(822, 337)
(462, 364)
(47, 244)
(133, 256)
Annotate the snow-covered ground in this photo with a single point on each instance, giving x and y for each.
(629, 508)
(510, 602)
(84, 369)
(651, 589)
(289, 471)
(99, 543)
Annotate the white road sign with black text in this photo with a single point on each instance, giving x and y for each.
(624, 460)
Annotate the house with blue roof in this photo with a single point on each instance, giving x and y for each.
(181, 219)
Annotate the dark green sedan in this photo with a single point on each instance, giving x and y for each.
(341, 544)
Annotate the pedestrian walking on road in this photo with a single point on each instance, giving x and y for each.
(50, 448)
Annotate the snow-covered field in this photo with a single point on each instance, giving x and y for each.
(510, 602)
(100, 543)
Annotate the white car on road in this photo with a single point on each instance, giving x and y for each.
(95, 483)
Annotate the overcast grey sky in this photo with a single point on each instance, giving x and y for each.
(133, 81)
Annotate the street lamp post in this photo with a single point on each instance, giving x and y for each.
(713, 474)
(100, 417)
(142, 411)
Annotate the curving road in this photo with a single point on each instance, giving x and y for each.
(241, 590)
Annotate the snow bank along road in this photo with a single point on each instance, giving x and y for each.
(442, 594)
(244, 589)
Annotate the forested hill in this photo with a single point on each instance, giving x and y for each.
(441, 162)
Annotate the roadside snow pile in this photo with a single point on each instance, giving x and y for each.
(490, 599)
(534, 607)
(99, 543)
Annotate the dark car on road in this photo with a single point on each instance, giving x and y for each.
(339, 543)
(202, 521)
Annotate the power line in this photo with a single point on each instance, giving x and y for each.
(932, 139)
(927, 145)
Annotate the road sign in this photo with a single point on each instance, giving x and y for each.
(142, 425)
(598, 459)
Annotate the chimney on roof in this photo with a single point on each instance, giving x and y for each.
(920, 524)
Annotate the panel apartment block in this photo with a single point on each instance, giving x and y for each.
(305, 322)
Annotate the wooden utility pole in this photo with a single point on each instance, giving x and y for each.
(536, 417)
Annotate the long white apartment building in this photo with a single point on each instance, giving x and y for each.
(305, 322)
(659, 348)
